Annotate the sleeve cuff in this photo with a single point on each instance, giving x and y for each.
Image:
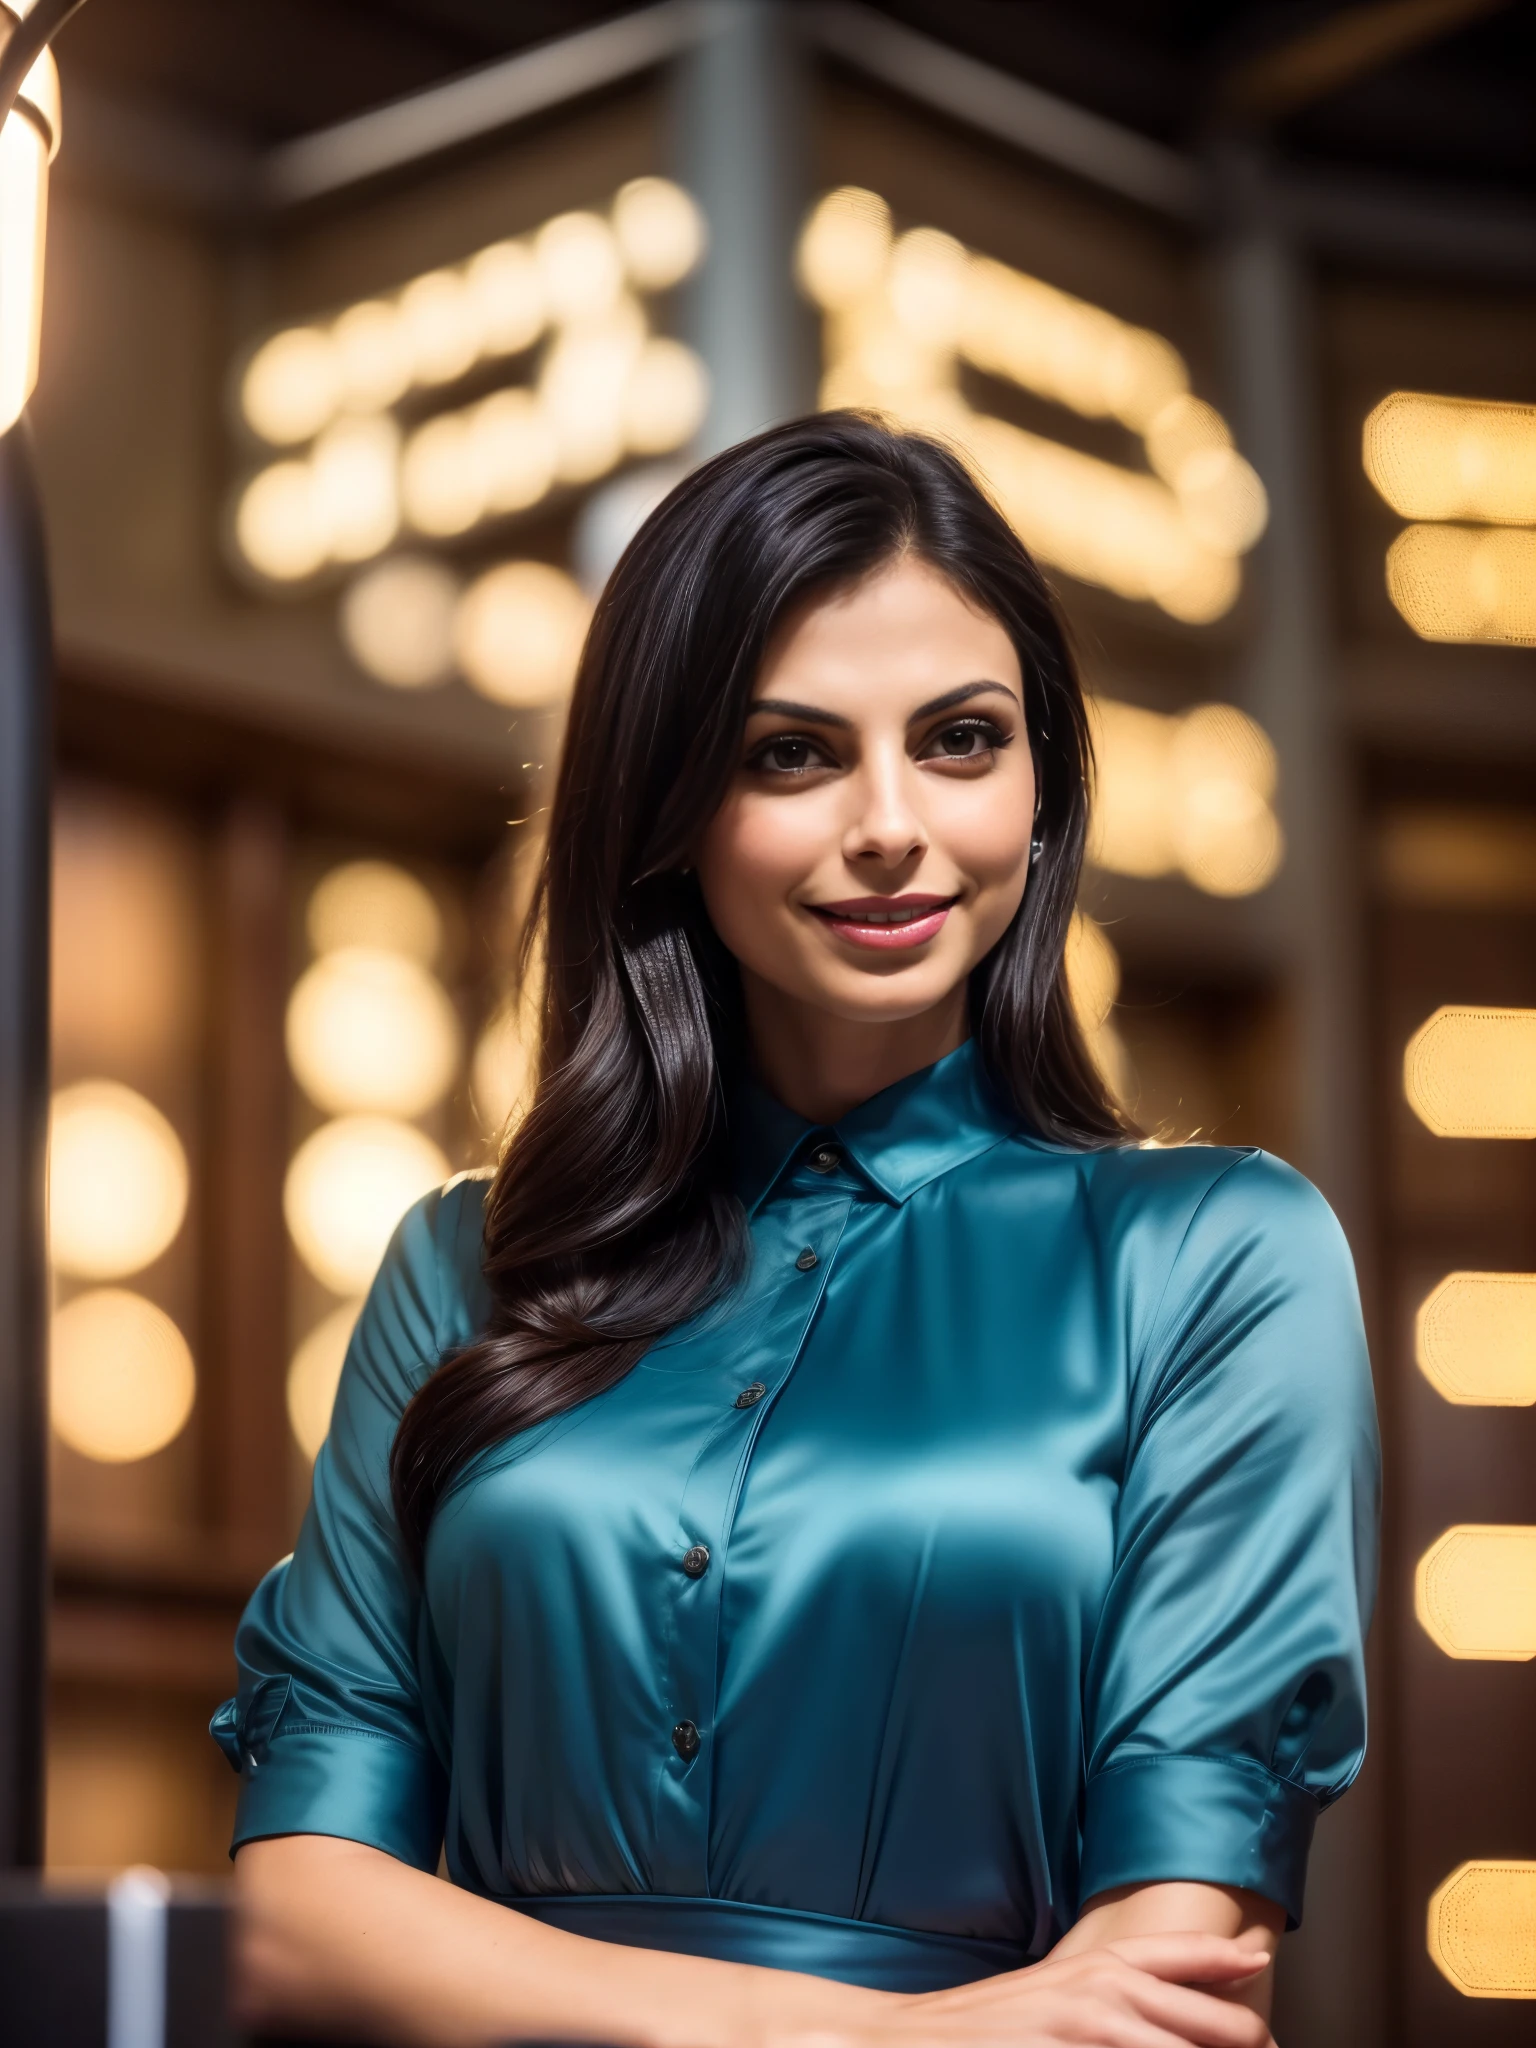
(345, 1782)
(1204, 1819)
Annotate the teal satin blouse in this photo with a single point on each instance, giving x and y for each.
(1008, 1534)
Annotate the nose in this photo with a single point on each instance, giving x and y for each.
(886, 827)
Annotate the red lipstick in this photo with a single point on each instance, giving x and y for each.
(886, 923)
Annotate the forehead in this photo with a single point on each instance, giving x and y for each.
(906, 629)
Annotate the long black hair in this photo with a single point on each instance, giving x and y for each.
(610, 1218)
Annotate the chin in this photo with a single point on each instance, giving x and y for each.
(888, 999)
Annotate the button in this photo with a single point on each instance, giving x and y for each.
(685, 1740)
(806, 1260)
(696, 1561)
(825, 1159)
(750, 1396)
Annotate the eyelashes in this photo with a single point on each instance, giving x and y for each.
(985, 729)
(811, 753)
(761, 757)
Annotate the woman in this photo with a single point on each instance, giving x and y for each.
(839, 1537)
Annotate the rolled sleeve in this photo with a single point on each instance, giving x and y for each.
(329, 1731)
(1207, 1819)
(1226, 1697)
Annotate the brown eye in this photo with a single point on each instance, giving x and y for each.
(787, 755)
(970, 739)
(960, 740)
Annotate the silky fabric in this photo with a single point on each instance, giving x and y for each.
(1039, 1495)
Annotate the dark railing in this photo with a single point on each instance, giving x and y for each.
(25, 773)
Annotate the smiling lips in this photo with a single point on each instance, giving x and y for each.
(886, 922)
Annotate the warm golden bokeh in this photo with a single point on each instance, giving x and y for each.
(369, 1029)
(1476, 1339)
(1471, 1073)
(1453, 458)
(121, 1378)
(904, 314)
(314, 1373)
(1466, 583)
(374, 903)
(347, 1187)
(1482, 1929)
(1475, 1592)
(518, 633)
(117, 1181)
(1190, 794)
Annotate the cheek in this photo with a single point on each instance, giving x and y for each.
(753, 853)
(988, 839)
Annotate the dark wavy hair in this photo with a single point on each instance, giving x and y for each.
(610, 1218)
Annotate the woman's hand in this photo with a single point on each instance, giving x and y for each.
(1147, 1991)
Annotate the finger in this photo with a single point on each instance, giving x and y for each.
(1196, 2018)
(1191, 1958)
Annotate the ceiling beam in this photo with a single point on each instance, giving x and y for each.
(1054, 130)
(1293, 75)
(478, 104)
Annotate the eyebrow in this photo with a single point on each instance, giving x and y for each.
(781, 707)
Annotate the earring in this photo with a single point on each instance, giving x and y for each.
(1036, 848)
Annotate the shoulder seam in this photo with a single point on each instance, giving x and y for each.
(1155, 1322)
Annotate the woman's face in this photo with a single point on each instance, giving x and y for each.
(874, 843)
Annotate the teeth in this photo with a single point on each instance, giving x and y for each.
(891, 916)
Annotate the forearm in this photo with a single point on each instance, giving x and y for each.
(1185, 1909)
(338, 1936)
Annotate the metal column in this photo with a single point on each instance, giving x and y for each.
(25, 773)
(741, 151)
(1330, 1996)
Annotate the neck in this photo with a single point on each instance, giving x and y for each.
(821, 1066)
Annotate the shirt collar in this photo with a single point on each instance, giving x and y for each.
(900, 1139)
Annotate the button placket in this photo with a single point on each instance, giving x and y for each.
(758, 1368)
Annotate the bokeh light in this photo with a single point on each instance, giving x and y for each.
(347, 1187)
(514, 449)
(497, 304)
(117, 1181)
(353, 469)
(506, 288)
(1452, 458)
(397, 621)
(1482, 1929)
(660, 230)
(1062, 348)
(1476, 1339)
(374, 903)
(518, 633)
(580, 264)
(441, 486)
(844, 247)
(1471, 1073)
(1190, 793)
(1475, 1592)
(1093, 970)
(1093, 981)
(501, 1069)
(372, 1030)
(1224, 769)
(279, 529)
(1466, 583)
(121, 1378)
(372, 354)
(901, 316)
(665, 398)
(314, 1373)
(583, 388)
(1131, 826)
(290, 386)
(441, 319)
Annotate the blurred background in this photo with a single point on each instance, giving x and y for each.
(373, 327)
